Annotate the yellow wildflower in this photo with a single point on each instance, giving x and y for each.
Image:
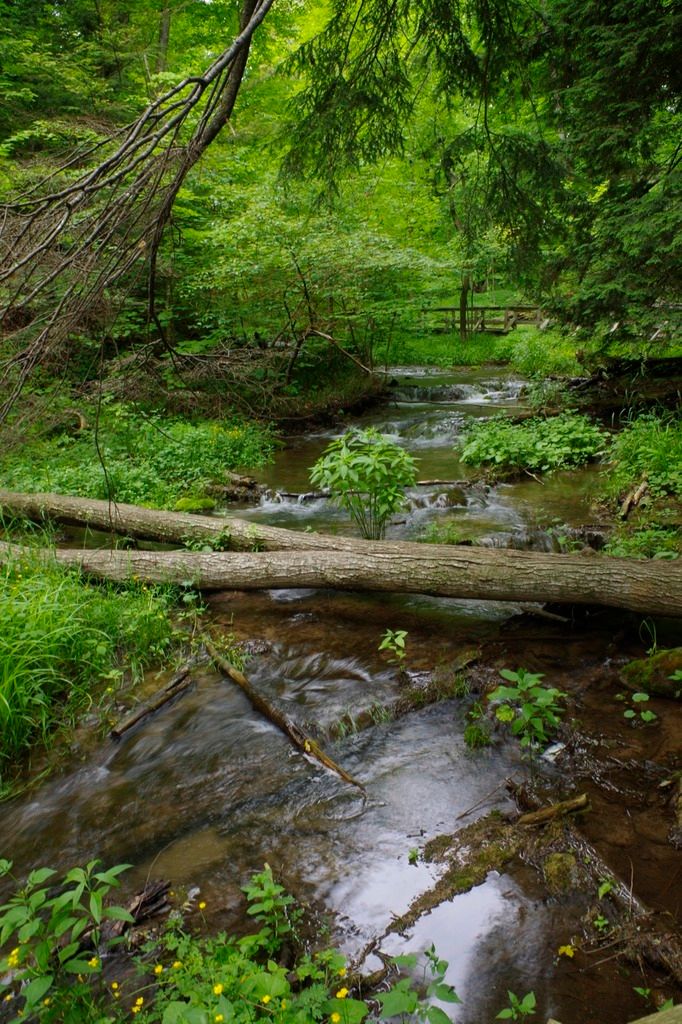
(342, 972)
(139, 1001)
(8, 997)
(284, 1004)
(158, 969)
(217, 989)
(114, 985)
(568, 951)
(342, 993)
(265, 999)
(335, 1018)
(218, 1018)
(202, 905)
(93, 961)
(46, 1002)
(134, 1009)
(177, 964)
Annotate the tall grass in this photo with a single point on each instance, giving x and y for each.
(60, 640)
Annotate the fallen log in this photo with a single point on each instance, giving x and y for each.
(170, 527)
(306, 744)
(482, 573)
(181, 681)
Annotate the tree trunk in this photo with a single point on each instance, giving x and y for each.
(463, 305)
(482, 573)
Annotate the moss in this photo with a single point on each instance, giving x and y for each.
(560, 872)
(485, 846)
(194, 503)
(652, 675)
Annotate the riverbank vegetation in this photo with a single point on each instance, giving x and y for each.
(121, 453)
(65, 647)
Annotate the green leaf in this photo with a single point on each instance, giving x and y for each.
(39, 876)
(446, 993)
(37, 989)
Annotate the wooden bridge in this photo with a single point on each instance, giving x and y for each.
(489, 319)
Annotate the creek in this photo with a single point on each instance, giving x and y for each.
(205, 791)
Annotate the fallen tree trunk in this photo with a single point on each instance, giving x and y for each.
(169, 527)
(483, 573)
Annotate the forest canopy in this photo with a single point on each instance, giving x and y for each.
(213, 176)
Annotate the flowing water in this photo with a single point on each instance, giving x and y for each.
(206, 790)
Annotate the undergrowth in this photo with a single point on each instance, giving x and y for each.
(149, 460)
(651, 447)
(61, 639)
(51, 975)
(539, 445)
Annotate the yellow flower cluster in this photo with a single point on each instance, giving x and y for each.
(138, 1005)
(13, 958)
(342, 993)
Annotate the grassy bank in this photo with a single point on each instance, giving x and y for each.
(124, 455)
(526, 350)
(62, 644)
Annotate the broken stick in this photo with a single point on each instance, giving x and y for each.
(297, 736)
(180, 681)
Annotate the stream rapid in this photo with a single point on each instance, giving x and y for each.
(206, 791)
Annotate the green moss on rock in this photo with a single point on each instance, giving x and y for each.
(652, 675)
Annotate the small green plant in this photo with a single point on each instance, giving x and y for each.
(648, 998)
(532, 710)
(56, 933)
(413, 856)
(518, 1007)
(476, 733)
(476, 736)
(366, 474)
(273, 907)
(601, 923)
(404, 997)
(394, 640)
(605, 887)
(640, 714)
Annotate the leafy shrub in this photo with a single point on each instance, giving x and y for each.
(59, 638)
(366, 474)
(195, 980)
(540, 353)
(558, 442)
(56, 931)
(531, 709)
(650, 446)
(146, 460)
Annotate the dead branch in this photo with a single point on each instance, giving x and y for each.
(306, 744)
(64, 242)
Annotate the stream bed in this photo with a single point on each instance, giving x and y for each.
(205, 791)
